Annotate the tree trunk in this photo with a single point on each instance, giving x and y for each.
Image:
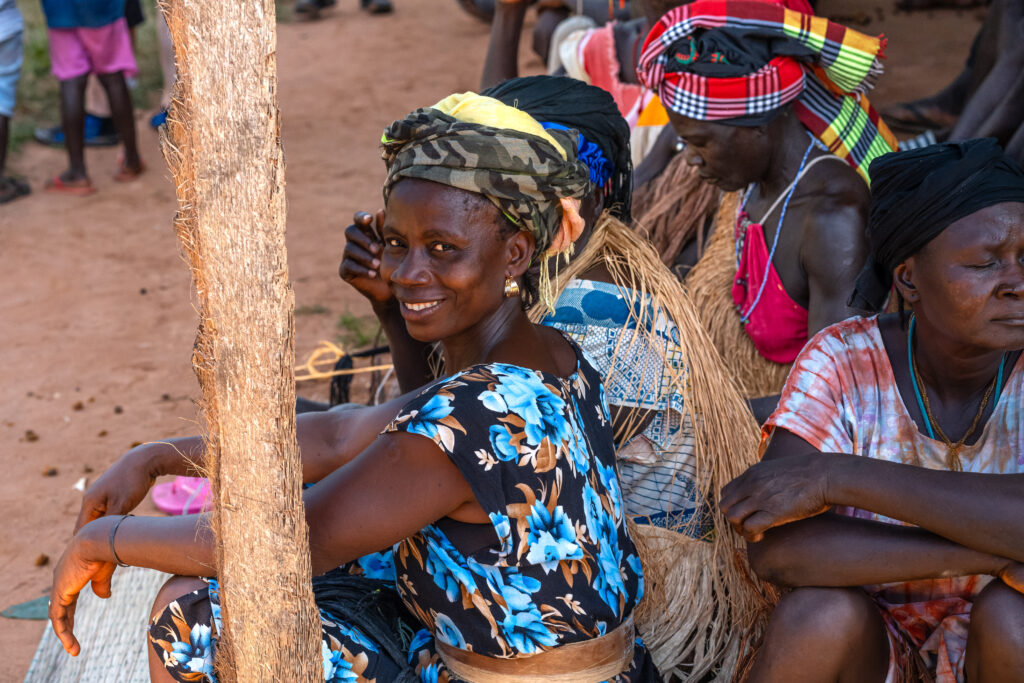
(222, 143)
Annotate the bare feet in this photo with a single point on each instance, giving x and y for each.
(128, 172)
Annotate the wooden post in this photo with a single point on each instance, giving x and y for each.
(223, 145)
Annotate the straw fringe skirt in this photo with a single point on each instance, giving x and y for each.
(673, 209)
(703, 611)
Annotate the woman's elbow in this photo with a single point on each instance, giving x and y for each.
(768, 561)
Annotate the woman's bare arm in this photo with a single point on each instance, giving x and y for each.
(782, 500)
(397, 486)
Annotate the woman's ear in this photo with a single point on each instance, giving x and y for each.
(903, 278)
(519, 252)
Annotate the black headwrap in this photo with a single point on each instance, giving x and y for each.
(587, 108)
(917, 194)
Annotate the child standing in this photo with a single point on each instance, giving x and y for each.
(91, 36)
(10, 70)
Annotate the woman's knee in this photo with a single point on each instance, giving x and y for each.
(174, 588)
(829, 613)
(824, 634)
(997, 617)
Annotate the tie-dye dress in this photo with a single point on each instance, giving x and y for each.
(555, 566)
(842, 397)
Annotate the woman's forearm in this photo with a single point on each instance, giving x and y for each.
(981, 511)
(183, 456)
(182, 545)
(327, 440)
(502, 60)
(834, 550)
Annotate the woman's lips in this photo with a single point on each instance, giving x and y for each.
(418, 309)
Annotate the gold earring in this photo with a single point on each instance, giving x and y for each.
(511, 287)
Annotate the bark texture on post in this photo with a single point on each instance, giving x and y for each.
(222, 143)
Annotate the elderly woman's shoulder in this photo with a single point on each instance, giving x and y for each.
(833, 182)
(855, 333)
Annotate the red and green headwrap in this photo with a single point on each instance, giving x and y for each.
(739, 62)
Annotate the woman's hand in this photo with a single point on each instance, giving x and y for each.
(1013, 576)
(122, 487)
(776, 492)
(84, 561)
(360, 263)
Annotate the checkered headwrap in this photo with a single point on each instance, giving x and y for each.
(823, 68)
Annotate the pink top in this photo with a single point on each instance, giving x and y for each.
(842, 397)
(777, 325)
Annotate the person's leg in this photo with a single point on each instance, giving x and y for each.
(72, 120)
(995, 638)
(110, 54)
(174, 588)
(941, 110)
(10, 188)
(823, 635)
(548, 19)
(124, 117)
(70, 65)
(993, 90)
(1015, 147)
(10, 70)
(1007, 117)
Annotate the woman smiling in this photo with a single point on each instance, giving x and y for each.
(496, 484)
(912, 428)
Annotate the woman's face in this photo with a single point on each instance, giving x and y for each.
(445, 258)
(969, 281)
(728, 157)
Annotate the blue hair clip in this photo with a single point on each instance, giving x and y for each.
(589, 153)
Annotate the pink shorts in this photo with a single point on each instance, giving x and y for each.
(75, 52)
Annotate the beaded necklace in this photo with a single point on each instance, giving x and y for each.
(745, 316)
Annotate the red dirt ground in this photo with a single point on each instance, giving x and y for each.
(96, 303)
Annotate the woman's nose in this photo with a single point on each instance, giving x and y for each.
(1012, 284)
(411, 270)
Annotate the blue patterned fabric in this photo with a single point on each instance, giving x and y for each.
(557, 567)
(657, 468)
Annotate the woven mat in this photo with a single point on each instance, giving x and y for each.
(112, 633)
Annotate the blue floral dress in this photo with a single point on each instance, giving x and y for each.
(555, 566)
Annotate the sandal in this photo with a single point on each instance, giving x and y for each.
(183, 496)
(310, 9)
(76, 188)
(376, 6)
(13, 188)
(125, 174)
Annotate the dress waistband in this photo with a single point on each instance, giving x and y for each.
(589, 661)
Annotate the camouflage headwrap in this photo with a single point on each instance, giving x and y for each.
(523, 174)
